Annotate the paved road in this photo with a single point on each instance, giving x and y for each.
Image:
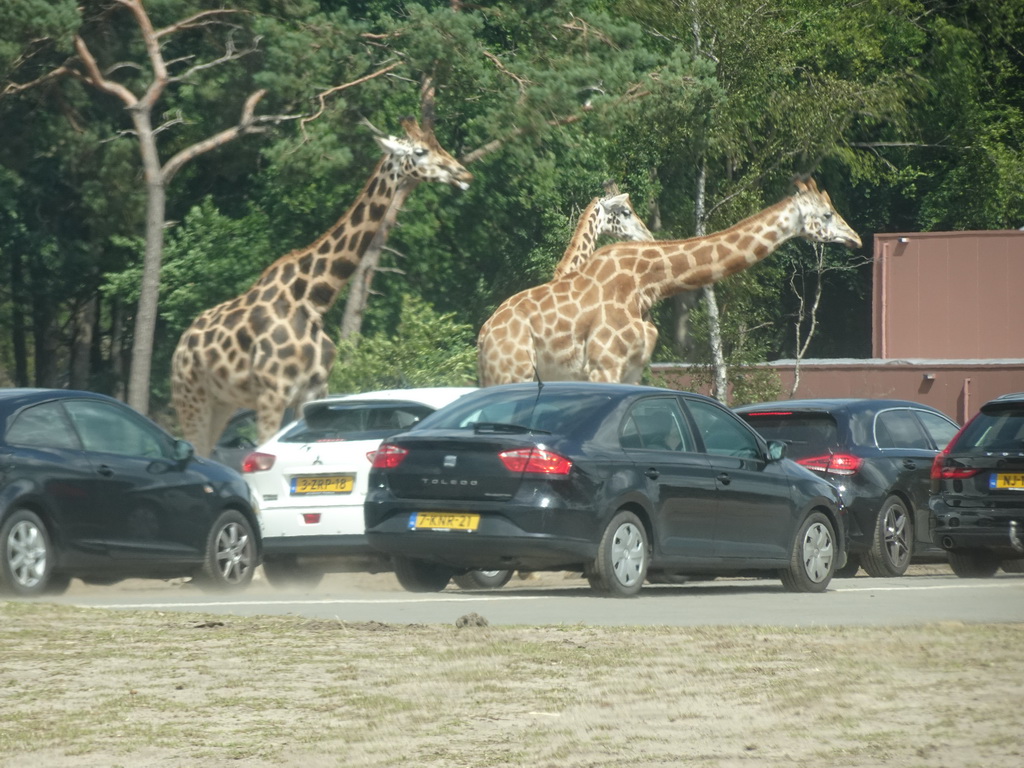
(555, 600)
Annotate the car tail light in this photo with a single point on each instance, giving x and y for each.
(834, 463)
(388, 456)
(535, 460)
(258, 462)
(939, 469)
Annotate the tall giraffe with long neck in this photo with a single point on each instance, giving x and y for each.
(505, 349)
(266, 349)
(591, 324)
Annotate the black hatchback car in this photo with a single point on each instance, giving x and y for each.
(977, 502)
(624, 483)
(878, 453)
(89, 488)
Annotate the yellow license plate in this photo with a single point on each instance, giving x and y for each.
(323, 484)
(1015, 481)
(446, 521)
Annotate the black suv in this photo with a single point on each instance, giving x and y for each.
(977, 502)
(878, 453)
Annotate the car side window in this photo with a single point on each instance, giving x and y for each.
(897, 428)
(721, 432)
(43, 426)
(941, 430)
(657, 424)
(106, 428)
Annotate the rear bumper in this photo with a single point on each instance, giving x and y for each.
(1001, 532)
(337, 554)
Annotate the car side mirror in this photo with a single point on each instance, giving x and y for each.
(183, 451)
(776, 450)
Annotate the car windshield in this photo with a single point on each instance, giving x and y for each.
(325, 422)
(545, 410)
(805, 434)
(1000, 429)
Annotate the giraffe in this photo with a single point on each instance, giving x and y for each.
(266, 349)
(504, 345)
(592, 324)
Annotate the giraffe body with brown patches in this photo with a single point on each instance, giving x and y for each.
(267, 348)
(591, 324)
(505, 342)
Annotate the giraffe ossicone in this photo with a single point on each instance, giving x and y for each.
(505, 342)
(592, 323)
(267, 348)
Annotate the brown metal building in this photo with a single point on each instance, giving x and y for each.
(947, 325)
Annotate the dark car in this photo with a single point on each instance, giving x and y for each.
(624, 483)
(977, 501)
(878, 453)
(89, 488)
(237, 440)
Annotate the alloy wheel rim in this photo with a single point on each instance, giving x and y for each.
(26, 554)
(234, 558)
(896, 544)
(628, 555)
(817, 553)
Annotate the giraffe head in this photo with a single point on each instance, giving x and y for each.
(616, 217)
(420, 157)
(819, 220)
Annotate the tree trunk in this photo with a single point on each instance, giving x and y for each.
(18, 310)
(81, 344)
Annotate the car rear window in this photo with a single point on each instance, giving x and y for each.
(805, 435)
(354, 421)
(999, 429)
(544, 410)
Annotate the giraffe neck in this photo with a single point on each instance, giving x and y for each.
(675, 266)
(317, 273)
(584, 239)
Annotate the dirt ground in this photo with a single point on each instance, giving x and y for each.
(90, 688)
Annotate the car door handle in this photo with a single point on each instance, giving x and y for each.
(724, 478)
(105, 470)
(652, 473)
(909, 464)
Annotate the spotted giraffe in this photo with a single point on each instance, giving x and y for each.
(504, 345)
(266, 349)
(591, 324)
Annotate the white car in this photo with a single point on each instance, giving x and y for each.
(310, 479)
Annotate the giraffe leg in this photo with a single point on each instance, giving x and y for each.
(219, 416)
(271, 406)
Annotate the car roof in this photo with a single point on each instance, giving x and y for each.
(833, 404)
(17, 397)
(435, 397)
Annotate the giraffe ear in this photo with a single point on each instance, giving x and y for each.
(392, 145)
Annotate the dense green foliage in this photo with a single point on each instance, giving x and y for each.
(909, 112)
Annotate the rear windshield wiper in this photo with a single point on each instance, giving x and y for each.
(507, 429)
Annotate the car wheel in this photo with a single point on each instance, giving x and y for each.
(421, 576)
(482, 579)
(813, 560)
(286, 573)
(28, 556)
(622, 558)
(893, 541)
(230, 559)
(1012, 566)
(973, 563)
(849, 570)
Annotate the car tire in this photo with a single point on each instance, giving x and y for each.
(623, 556)
(286, 573)
(482, 579)
(28, 555)
(231, 556)
(813, 559)
(849, 570)
(973, 563)
(892, 544)
(421, 576)
(1012, 566)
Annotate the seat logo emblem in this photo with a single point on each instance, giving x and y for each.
(449, 461)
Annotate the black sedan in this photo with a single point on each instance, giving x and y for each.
(879, 454)
(91, 489)
(624, 483)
